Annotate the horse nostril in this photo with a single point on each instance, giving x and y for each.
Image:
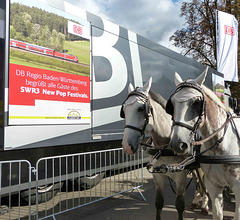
(183, 146)
(178, 146)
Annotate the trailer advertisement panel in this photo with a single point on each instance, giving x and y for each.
(49, 66)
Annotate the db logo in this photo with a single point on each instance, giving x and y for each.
(229, 30)
(77, 29)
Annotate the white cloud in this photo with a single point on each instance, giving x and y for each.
(156, 19)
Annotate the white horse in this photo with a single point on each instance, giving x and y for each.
(195, 108)
(144, 112)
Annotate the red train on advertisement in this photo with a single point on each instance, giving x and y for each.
(42, 50)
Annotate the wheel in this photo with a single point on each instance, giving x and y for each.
(88, 182)
(45, 193)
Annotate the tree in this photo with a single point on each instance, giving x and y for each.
(45, 36)
(27, 20)
(17, 23)
(57, 40)
(12, 32)
(198, 39)
(61, 40)
(35, 32)
(54, 40)
(19, 36)
(22, 23)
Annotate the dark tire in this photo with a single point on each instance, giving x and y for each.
(88, 182)
(45, 193)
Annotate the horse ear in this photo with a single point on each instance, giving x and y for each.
(177, 79)
(147, 85)
(200, 79)
(130, 88)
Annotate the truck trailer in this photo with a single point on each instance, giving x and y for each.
(51, 106)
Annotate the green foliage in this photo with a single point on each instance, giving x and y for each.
(12, 32)
(36, 30)
(39, 27)
(57, 40)
(33, 25)
(17, 23)
(19, 36)
(44, 37)
(29, 40)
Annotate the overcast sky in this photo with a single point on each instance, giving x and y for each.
(154, 19)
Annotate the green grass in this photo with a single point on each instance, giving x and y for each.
(22, 57)
(81, 49)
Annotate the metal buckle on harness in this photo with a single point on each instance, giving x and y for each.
(165, 168)
(150, 168)
(159, 169)
(169, 168)
(150, 165)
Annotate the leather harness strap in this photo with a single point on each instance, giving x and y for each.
(142, 95)
(183, 125)
(141, 130)
(214, 133)
(199, 157)
(218, 159)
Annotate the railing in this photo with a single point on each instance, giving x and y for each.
(62, 183)
(13, 175)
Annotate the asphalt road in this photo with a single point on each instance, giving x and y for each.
(131, 206)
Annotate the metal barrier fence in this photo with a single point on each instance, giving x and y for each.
(11, 186)
(62, 183)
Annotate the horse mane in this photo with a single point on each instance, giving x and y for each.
(158, 98)
(215, 99)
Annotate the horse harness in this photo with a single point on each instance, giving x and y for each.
(193, 161)
(148, 111)
(198, 157)
(155, 152)
(202, 116)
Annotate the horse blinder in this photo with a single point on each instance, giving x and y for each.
(169, 107)
(147, 107)
(122, 114)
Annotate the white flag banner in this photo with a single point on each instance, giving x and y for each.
(227, 47)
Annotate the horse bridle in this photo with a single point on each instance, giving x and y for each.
(148, 111)
(201, 117)
(193, 135)
(198, 156)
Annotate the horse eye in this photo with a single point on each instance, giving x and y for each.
(197, 102)
(140, 109)
(197, 105)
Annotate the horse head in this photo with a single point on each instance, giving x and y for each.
(187, 108)
(136, 110)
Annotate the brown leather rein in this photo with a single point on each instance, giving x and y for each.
(215, 132)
